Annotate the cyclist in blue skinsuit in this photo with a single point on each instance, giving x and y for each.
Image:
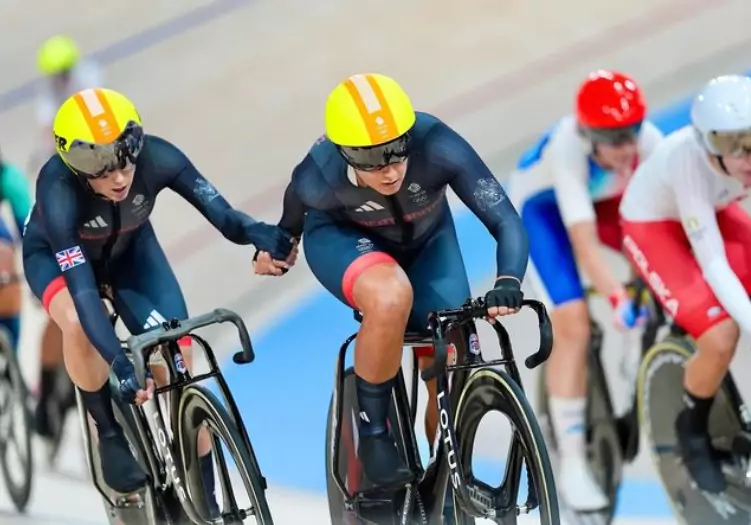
(370, 201)
(90, 227)
(567, 187)
(14, 189)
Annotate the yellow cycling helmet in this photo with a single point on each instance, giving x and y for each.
(57, 54)
(98, 130)
(368, 117)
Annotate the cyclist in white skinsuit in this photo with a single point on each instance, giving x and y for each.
(689, 237)
(63, 72)
(567, 188)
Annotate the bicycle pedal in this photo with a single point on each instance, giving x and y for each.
(135, 499)
(741, 443)
(132, 509)
(373, 491)
(373, 496)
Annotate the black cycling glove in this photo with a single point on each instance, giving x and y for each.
(125, 372)
(270, 238)
(507, 292)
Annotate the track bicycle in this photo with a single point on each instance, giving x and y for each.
(163, 433)
(467, 390)
(612, 441)
(16, 423)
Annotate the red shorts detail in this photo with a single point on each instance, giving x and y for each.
(609, 228)
(662, 254)
(429, 351)
(185, 342)
(358, 266)
(423, 351)
(56, 285)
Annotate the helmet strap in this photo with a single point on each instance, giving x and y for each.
(596, 155)
(721, 162)
(85, 183)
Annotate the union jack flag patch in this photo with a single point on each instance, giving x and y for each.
(69, 258)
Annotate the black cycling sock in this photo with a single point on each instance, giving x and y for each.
(209, 484)
(697, 409)
(374, 401)
(99, 405)
(47, 383)
(207, 473)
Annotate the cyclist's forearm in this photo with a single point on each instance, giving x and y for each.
(584, 241)
(232, 223)
(512, 252)
(730, 291)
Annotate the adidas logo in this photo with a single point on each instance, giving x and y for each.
(369, 206)
(98, 222)
(155, 319)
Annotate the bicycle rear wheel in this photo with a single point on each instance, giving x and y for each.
(493, 390)
(198, 406)
(349, 466)
(15, 428)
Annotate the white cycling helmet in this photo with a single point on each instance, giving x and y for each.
(721, 115)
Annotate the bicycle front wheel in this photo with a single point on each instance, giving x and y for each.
(198, 406)
(15, 428)
(660, 390)
(491, 390)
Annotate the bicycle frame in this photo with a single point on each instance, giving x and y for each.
(629, 421)
(165, 466)
(444, 466)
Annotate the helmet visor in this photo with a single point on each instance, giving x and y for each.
(371, 158)
(731, 143)
(612, 136)
(96, 160)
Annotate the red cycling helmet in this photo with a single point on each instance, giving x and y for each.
(609, 99)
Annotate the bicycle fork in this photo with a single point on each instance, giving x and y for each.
(473, 499)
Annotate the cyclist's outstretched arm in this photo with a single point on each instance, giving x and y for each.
(178, 173)
(198, 191)
(58, 205)
(15, 189)
(699, 220)
(476, 186)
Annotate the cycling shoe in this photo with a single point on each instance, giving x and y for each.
(381, 461)
(120, 470)
(699, 457)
